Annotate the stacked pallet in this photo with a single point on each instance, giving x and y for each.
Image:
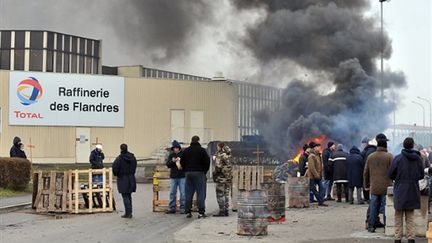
(245, 178)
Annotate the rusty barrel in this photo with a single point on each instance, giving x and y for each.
(252, 213)
(275, 201)
(298, 192)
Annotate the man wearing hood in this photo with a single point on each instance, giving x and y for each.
(338, 163)
(124, 168)
(17, 149)
(406, 170)
(222, 176)
(355, 165)
(177, 178)
(96, 161)
(196, 162)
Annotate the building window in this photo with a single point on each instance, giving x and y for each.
(73, 62)
(95, 65)
(5, 40)
(36, 57)
(50, 41)
(82, 46)
(50, 61)
(89, 48)
(19, 60)
(59, 42)
(81, 64)
(66, 47)
(4, 59)
(19, 39)
(96, 49)
(66, 62)
(74, 44)
(88, 64)
(59, 62)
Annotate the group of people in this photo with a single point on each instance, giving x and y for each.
(188, 169)
(369, 172)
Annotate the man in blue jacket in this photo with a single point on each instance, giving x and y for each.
(177, 178)
(406, 170)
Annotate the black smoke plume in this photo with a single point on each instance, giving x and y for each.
(334, 37)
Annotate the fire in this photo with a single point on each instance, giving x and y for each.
(318, 139)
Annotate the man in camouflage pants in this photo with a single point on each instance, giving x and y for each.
(222, 176)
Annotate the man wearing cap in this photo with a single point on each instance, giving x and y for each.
(96, 161)
(177, 178)
(377, 180)
(314, 172)
(328, 170)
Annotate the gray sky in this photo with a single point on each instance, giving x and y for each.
(215, 47)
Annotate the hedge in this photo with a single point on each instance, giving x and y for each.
(14, 173)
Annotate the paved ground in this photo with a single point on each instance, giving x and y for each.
(25, 226)
(15, 200)
(338, 223)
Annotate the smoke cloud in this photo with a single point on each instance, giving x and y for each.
(331, 37)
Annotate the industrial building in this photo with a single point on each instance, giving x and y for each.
(61, 109)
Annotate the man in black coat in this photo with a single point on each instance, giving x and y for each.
(328, 170)
(124, 168)
(406, 170)
(355, 165)
(96, 162)
(196, 162)
(17, 149)
(338, 163)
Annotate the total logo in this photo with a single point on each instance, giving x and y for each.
(29, 91)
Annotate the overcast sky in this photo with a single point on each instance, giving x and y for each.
(213, 47)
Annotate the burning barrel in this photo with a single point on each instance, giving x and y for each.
(252, 213)
(298, 192)
(275, 201)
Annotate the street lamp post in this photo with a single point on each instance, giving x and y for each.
(417, 103)
(430, 116)
(382, 49)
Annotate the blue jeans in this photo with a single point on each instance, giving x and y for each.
(328, 184)
(195, 182)
(97, 179)
(174, 183)
(376, 206)
(317, 193)
(127, 200)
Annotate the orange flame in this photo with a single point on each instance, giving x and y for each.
(318, 139)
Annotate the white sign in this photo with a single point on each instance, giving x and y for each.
(53, 99)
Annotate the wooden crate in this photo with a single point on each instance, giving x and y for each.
(161, 189)
(245, 178)
(50, 192)
(83, 191)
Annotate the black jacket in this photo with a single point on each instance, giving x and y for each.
(303, 164)
(355, 166)
(124, 168)
(369, 149)
(96, 159)
(195, 158)
(15, 151)
(328, 172)
(338, 163)
(170, 163)
(406, 170)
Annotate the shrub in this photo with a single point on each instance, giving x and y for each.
(14, 173)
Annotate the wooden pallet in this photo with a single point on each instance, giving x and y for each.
(245, 178)
(161, 189)
(84, 193)
(50, 192)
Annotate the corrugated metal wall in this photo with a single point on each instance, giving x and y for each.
(148, 103)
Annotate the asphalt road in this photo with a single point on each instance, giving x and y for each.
(27, 226)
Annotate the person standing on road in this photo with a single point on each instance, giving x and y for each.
(314, 172)
(369, 148)
(406, 170)
(222, 176)
(96, 162)
(196, 162)
(17, 149)
(124, 168)
(375, 177)
(177, 178)
(328, 170)
(340, 179)
(355, 165)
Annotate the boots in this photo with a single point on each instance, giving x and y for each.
(222, 213)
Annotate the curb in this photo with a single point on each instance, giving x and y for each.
(11, 208)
